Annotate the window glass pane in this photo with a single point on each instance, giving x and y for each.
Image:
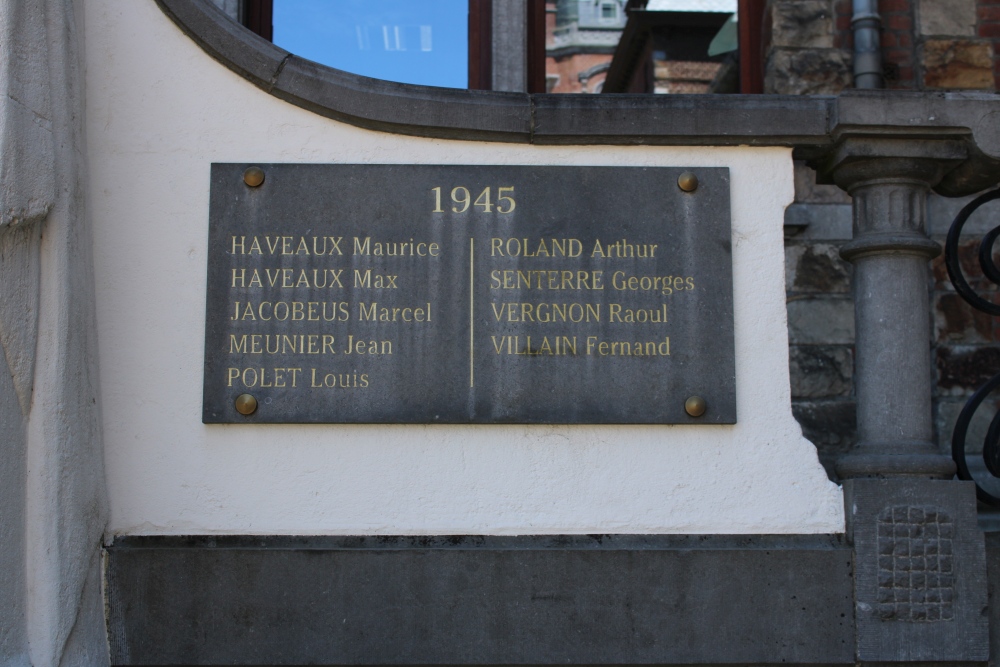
(411, 41)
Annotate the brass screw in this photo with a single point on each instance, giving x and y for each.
(246, 404)
(695, 406)
(253, 176)
(687, 182)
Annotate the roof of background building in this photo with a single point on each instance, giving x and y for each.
(727, 6)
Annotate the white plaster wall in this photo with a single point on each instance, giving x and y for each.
(159, 112)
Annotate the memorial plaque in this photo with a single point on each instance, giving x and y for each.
(468, 294)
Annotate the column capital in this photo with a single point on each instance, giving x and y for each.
(857, 159)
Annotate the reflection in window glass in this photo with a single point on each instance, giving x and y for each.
(411, 41)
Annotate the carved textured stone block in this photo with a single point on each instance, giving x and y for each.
(915, 570)
(920, 578)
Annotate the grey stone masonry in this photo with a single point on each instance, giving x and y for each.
(955, 17)
(920, 572)
(800, 57)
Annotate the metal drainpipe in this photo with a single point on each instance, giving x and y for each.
(866, 24)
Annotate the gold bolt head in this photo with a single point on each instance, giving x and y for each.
(695, 406)
(687, 182)
(246, 404)
(253, 176)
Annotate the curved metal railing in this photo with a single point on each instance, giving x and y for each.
(991, 443)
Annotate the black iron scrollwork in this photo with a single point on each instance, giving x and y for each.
(991, 444)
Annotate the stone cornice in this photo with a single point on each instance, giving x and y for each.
(810, 124)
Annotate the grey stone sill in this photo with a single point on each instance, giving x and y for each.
(604, 542)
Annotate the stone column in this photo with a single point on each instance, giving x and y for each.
(919, 557)
(889, 181)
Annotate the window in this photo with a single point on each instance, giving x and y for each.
(399, 40)
(451, 43)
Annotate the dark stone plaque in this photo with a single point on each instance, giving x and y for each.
(469, 294)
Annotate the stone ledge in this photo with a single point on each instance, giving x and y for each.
(447, 600)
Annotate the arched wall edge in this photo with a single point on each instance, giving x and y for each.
(719, 120)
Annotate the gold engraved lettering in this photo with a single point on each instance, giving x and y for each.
(637, 315)
(374, 280)
(524, 345)
(624, 250)
(287, 245)
(375, 313)
(289, 279)
(311, 311)
(464, 198)
(320, 380)
(524, 247)
(409, 248)
(546, 312)
(552, 279)
(665, 285)
(263, 378)
(501, 198)
(652, 348)
(367, 346)
(281, 344)
(461, 195)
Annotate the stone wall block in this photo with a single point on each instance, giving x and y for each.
(964, 64)
(957, 322)
(802, 24)
(807, 72)
(807, 191)
(968, 259)
(816, 268)
(964, 368)
(954, 17)
(821, 371)
(820, 321)
(947, 414)
(830, 425)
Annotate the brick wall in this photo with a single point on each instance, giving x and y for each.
(988, 28)
(933, 44)
(898, 44)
